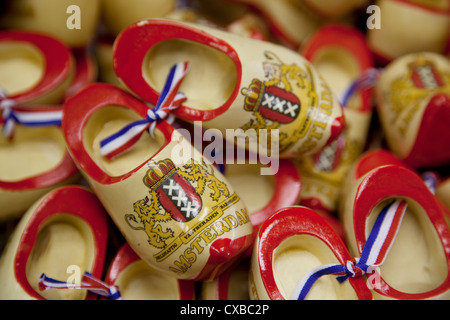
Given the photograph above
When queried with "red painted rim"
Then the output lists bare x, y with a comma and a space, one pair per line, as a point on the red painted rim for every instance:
299, 220
132, 45
397, 181
348, 39
73, 200
77, 111
63, 171
58, 62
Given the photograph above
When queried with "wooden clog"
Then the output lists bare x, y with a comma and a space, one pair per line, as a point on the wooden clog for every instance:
63, 235
264, 86
413, 103
409, 26
137, 280
340, 53
34, 68
178, 213
289, 244
32, 163
418, 263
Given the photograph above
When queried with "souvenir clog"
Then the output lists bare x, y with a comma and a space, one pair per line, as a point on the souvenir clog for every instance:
332, 9
176, 211
413, 104
62, 235
409, 26
32, 162
231, 285
34, 68
291, 22
417, 265
264, 90
340, 54
137, 280
119, 14
72, 22
289, 244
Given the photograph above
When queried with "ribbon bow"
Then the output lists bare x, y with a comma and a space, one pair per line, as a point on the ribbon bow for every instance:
373, 255
31, 116
169, 100
366, 80
88, 282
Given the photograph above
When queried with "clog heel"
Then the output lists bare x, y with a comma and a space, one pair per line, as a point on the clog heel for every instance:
33, 160
177, 212
63, 235
341, 55
397, 37
137, 280
34, 68
413, 102
253, 87
416, 255
292, 242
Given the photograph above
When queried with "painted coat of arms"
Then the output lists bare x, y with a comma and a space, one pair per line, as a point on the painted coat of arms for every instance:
174, 194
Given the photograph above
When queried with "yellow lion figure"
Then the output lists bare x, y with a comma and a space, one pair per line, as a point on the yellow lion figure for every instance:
199, 173
149, 216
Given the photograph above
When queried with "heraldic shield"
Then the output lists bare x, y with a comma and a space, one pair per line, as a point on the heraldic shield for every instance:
272, 102
175, 193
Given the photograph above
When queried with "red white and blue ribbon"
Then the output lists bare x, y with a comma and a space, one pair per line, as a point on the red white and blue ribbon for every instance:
88, 282
366, 80
37, 116
373, 255
170, 99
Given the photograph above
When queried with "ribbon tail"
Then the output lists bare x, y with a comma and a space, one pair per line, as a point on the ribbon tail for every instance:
88, 282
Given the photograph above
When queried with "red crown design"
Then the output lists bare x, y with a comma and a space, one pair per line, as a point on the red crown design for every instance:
253, 95
158, 172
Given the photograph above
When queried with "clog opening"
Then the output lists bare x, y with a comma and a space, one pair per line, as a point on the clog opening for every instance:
255, 190
138, 281
416, 262
64, 250
297, 256
211, 78
21, 67
33, 151
339, 70
109, 120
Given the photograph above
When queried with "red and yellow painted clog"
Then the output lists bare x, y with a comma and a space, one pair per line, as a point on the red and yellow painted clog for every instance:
413, 103
264, 89
34, 68
290, 243
417, 265
177, 212
340, 54
409, 26
63, 235
137, 280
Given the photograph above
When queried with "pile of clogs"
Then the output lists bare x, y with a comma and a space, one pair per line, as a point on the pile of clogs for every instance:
224, 149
